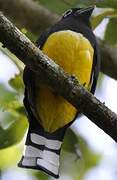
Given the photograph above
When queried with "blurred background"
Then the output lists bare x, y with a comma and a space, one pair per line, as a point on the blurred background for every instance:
88, 153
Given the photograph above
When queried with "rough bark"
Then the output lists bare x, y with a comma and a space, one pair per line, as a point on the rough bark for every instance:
64, 84
35, 18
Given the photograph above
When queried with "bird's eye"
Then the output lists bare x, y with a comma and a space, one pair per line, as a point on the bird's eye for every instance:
67, 13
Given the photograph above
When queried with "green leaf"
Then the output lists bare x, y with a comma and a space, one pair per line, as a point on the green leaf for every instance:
13, 123
13, 58
74, 165
6, 94
74, 143
17, 83
9, 157
10, 102
14, 133
111, 32
70, 141
6, 120
14, 107
89, 158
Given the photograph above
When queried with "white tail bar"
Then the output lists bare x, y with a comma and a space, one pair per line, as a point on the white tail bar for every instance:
40, 140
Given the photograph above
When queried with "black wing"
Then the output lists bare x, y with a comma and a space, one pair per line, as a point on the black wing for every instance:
29, 78
95, 68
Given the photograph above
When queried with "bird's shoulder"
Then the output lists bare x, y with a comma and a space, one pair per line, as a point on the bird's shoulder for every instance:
67, 24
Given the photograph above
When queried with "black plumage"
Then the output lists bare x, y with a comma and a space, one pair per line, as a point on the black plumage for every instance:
76, 19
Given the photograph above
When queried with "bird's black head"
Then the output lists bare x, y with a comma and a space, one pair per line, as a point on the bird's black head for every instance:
80, 13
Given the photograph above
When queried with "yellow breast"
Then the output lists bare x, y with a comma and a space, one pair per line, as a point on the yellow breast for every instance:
74, 53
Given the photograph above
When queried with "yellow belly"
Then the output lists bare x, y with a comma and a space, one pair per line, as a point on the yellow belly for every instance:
74, 53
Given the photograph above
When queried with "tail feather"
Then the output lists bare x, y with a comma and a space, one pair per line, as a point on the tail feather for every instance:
42, 151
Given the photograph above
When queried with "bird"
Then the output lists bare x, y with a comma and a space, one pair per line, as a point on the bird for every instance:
72, 44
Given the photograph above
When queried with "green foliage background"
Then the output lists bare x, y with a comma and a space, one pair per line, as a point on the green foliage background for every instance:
13, 121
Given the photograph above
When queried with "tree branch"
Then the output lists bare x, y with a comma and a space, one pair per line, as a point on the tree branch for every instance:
35, 18
28, 14
64, 84
109, 59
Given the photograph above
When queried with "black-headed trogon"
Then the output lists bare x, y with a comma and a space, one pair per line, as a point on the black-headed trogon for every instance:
71, 44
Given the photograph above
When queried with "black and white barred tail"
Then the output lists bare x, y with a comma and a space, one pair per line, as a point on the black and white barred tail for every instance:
42, 150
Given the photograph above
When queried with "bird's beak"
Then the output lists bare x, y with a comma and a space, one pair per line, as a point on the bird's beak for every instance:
88, 10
